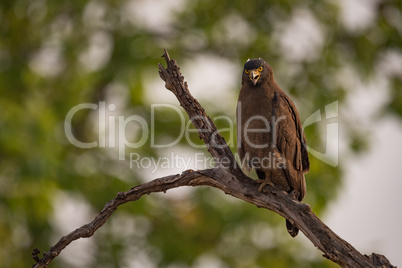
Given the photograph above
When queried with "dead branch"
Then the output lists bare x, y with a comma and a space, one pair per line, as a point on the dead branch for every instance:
228, 177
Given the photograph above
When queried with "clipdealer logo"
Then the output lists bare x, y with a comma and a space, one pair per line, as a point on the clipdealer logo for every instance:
112, 133
112, 136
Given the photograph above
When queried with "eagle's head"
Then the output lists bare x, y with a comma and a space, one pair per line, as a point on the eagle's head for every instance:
257, 71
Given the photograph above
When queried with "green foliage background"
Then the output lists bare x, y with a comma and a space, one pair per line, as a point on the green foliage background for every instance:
44, 73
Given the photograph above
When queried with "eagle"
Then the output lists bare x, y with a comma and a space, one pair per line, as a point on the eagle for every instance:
270, 135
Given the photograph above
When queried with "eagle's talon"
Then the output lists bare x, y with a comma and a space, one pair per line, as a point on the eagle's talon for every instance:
263, 184
294, 194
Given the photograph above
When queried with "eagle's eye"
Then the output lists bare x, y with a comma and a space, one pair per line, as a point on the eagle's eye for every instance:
260, 69
247, 71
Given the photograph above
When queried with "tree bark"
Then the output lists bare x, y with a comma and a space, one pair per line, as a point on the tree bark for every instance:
228, 177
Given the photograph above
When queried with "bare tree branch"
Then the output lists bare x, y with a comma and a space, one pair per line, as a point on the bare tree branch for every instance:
228, 177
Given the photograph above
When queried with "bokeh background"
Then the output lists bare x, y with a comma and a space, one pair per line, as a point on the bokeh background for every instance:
55, 55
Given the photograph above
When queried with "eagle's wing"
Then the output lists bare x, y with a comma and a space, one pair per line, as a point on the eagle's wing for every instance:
244, 163
291, 141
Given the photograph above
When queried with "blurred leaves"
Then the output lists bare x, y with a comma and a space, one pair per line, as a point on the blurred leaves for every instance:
56, 55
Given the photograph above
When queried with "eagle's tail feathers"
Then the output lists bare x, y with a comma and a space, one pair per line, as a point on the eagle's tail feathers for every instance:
292, 230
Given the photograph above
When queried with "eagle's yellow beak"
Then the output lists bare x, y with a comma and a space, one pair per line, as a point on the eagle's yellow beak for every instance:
254, 76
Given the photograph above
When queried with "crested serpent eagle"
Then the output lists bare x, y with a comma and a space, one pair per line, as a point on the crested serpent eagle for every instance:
269, 133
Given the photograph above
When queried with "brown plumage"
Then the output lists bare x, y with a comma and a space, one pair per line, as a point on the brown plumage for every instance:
269, 132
